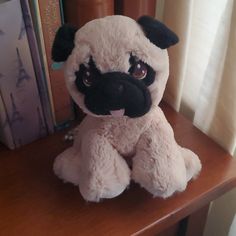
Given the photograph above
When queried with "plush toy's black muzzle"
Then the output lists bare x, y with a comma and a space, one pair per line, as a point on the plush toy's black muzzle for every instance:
115, 91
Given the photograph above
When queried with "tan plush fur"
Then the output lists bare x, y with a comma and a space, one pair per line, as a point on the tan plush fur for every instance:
97, 160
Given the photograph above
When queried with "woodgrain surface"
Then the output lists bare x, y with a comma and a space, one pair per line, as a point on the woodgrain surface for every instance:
35, 202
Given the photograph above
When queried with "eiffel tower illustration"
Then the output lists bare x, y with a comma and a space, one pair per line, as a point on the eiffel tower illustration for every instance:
4, 124
25, 24
41, 124
22, 74
18, 143
15, 116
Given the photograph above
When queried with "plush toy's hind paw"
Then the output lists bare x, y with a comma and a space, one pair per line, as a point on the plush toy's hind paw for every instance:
192, 163
66, 166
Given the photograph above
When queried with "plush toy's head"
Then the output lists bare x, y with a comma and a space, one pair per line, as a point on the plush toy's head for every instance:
115, 65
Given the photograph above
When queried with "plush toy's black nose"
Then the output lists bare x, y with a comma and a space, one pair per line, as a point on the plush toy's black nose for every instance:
113, 90
112, 85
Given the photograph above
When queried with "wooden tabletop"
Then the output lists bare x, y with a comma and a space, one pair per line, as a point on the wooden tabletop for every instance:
33, 201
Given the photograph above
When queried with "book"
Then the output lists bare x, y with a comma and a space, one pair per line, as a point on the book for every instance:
38, 68
48, 20
79, 12
22, 118
135, 8
5, 129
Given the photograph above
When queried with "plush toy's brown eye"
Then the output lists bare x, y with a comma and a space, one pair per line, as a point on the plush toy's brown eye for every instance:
87, 78
139, 70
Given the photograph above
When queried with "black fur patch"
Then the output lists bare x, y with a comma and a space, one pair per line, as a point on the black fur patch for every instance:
115, 91
63, 43
157, 32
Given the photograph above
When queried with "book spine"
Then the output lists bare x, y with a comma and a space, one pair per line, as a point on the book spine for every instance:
79, 12
49, 14
19, 91
42, 51
39, 72
135, 8
62, 12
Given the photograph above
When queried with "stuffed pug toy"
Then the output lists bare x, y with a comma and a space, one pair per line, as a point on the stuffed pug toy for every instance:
116, 70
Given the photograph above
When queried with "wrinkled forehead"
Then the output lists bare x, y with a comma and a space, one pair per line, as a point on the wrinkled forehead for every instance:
110, 41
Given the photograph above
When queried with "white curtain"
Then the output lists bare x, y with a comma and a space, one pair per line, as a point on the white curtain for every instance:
202, 83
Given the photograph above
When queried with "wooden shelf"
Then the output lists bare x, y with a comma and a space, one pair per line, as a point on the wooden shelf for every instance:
33, 201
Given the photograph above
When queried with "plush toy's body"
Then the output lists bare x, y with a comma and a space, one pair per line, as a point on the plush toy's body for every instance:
116, 72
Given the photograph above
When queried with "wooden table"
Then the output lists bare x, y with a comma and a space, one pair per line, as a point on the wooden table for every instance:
35, 202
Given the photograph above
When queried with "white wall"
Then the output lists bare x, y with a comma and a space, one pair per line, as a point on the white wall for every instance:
222, 215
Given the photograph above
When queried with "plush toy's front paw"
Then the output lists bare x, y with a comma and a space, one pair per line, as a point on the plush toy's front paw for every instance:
106, 181
103, 172
94, 193
159, 183
162, 176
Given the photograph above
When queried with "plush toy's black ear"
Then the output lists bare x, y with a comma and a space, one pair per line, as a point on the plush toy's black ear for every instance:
157, 32
63, 43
